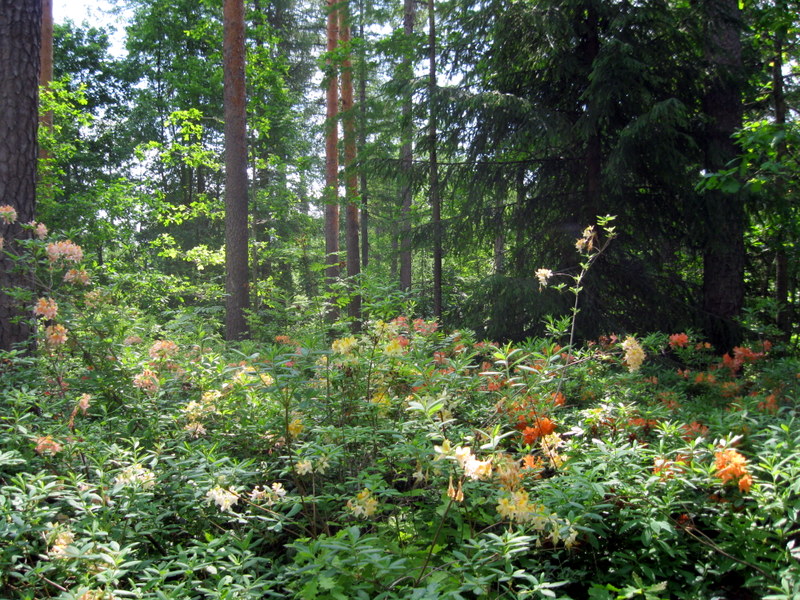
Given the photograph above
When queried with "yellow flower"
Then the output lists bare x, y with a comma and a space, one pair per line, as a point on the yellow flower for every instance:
364, 504
634, 355
394, 348
344, 345
295, 427
303, 467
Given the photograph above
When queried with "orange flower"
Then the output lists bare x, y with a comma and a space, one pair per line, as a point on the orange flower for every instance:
558, 398
47, 445
678, 340
541, 428
732, 466
55, 335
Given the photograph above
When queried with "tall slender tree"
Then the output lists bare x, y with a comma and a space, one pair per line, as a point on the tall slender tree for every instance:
350, 171
406, 148
724, 250
331, 193
20, 38
237, 285
436, 204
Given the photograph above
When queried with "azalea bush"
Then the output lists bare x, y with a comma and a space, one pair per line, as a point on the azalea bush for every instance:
145, 458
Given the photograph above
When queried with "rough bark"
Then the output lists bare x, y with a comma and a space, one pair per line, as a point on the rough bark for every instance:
724, 252
236, 206
331, 193
20, 38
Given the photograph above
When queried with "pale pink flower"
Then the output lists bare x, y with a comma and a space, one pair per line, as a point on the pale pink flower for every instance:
147, 381
47, 445
8, 214
78, 276
55, 335
46, 307
39, 229
64, 250
163, 349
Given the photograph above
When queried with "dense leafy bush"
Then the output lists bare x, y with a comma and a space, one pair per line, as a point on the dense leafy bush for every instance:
144, 458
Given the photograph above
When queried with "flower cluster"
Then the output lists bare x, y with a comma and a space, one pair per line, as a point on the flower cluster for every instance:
274, 494
473, 468
517, 507
344, 345
678, 340
146, 381
8, 214
55, 335
364, 504
162, 349
47, 445
543, 275
46, 307
64, 251
223, 498
732, 467
136, 475
77, 276
634, 354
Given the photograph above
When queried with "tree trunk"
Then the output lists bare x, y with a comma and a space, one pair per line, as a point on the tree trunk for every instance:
236, 209
20, 37
724, 253
406, 150
362, 140
331, 193
350, 172
436, 207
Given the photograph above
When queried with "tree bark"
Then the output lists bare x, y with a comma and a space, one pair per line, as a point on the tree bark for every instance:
406, 150
350, 172
237, 284
362, 140
20, 38
724, 252
436, 205
331, 193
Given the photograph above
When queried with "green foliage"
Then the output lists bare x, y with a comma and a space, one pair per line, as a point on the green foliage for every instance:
144, 458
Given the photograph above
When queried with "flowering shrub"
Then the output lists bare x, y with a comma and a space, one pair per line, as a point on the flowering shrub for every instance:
147, 459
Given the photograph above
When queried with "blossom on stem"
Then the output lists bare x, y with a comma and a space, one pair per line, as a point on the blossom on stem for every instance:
8, 214
223, 498
634, 354
46, 307
55, 335
543, 275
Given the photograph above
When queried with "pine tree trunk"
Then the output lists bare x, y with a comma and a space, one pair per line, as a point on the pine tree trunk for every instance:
436, 206
20, 38
406, 150
724, 252
236, 206
350, 173
362, 142
332, 162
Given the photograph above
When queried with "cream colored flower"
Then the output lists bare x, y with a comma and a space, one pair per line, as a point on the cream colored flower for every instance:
223, 498
634, 354
543, 275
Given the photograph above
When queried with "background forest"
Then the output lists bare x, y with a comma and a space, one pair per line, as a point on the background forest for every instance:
430, 299
675, 117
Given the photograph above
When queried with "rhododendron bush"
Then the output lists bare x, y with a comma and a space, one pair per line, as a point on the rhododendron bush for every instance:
145, 458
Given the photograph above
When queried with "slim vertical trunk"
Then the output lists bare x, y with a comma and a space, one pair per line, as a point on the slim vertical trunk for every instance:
20, 36
236, 235
723, 254
362, 140
436, 208
406, 150
331, 193
350, 173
